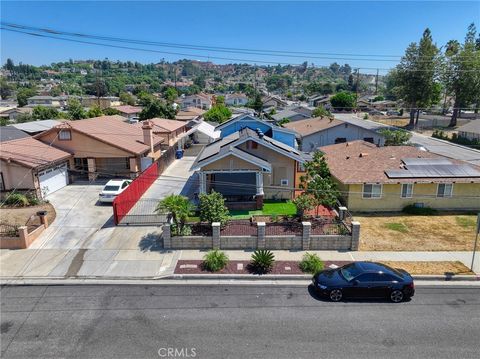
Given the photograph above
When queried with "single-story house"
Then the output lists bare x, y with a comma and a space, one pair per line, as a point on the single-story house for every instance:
128, 111
289, 115
278, 133
200, 100
36, 127
103, 102
47, 101
470, 131
247, 167
170, 130
322, 131
28, 164
389, 178
189, 114
14, 113
273, 101
106, 146
236, 99
303, 109
8, 133
319, 100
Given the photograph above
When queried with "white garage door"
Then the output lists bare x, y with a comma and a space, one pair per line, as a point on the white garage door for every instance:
52, 179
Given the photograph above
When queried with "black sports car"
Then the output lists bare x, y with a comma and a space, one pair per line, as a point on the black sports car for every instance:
364, 280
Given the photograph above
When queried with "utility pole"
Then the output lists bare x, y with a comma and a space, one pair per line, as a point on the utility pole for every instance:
476, 240
376, 83
97, 83
356, 88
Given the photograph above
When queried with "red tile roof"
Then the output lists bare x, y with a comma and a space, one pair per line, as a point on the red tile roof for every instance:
31, 153
166, 125
128, 109
111, 130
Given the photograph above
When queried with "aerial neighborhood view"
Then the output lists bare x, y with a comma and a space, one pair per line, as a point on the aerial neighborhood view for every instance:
235, 179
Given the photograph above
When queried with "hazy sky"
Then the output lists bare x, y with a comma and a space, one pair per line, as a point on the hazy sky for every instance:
357, 27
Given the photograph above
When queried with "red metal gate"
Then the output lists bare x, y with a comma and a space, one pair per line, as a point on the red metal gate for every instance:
124, 202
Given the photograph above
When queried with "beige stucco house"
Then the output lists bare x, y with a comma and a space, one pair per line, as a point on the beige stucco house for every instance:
106, 146
248, 167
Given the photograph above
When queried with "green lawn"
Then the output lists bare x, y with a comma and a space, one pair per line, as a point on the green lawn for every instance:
278, 208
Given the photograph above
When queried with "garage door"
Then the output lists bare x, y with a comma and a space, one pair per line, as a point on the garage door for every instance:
52, 179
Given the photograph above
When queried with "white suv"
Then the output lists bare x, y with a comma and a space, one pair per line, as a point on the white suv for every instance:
112, 189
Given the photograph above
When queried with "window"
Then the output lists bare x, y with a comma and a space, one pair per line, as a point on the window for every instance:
368, 139
340, 140
444, 190
284, 182
65, 135
300, 167
407, 190
369, 277
2, 186
372, 191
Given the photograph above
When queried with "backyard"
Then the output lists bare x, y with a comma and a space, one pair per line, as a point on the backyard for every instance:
391, 232
270, 208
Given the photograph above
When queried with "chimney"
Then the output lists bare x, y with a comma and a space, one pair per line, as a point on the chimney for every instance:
148, 134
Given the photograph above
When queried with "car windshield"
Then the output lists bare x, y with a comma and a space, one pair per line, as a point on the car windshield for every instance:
350, 271
111, 188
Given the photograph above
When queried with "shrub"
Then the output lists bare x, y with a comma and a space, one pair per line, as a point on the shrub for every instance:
184, 230
262, 260
212, 208
33, 200
215, 260
311, 263
365, 117
16, 200
422, 211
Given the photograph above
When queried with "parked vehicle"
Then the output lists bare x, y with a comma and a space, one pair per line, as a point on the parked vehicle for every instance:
364, 280
112, 189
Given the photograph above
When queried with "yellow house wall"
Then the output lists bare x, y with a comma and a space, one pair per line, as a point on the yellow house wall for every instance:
422, 193
230, 163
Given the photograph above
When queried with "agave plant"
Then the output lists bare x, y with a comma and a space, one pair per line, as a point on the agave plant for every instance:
262, 260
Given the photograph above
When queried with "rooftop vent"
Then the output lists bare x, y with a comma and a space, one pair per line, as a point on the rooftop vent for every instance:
363, 154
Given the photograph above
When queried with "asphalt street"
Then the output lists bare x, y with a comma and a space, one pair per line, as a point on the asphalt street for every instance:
148, 321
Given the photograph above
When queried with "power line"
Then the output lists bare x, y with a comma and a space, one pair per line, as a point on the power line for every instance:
208, 56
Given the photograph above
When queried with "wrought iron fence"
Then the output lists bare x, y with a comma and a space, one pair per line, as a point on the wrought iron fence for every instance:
239, 228
201, 229
283, 229
330, 228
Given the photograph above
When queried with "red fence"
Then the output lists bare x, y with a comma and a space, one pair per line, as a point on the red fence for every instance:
124, 202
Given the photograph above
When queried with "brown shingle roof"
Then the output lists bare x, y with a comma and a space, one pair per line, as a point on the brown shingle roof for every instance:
363, 162
31, 153
128, 109
111, 130
312, 125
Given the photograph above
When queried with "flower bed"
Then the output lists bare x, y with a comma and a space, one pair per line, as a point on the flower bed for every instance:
239, 228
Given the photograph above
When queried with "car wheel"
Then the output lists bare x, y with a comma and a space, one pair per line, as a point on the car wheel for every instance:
336, 295
396, 296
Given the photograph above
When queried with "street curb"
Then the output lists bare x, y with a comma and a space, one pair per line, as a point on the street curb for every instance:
309, 277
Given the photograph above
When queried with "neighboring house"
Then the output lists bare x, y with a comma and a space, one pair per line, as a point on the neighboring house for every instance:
367, 103
106, 146
289, 115
170, 130
129, 112
247, 167
470, 131
389, 178
199, 100
14, 113
103, 102
273, 101
202, 132
323, 131
303, 109
319, 100
278, 133
236, 99
8, 133
189, 114
28, 164
35, 127
47, 101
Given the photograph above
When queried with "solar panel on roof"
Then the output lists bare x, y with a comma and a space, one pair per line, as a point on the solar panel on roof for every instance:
426, 161
435, 171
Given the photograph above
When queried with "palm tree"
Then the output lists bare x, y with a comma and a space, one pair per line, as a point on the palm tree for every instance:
179, 207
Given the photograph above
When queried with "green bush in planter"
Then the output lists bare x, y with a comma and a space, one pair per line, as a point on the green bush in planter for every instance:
262, 260
311, 263
16, 200
215, 260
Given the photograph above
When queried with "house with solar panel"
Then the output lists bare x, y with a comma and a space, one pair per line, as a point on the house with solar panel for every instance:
252, 161
389, 178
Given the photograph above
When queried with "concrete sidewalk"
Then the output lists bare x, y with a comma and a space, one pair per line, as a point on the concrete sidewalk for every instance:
146, 259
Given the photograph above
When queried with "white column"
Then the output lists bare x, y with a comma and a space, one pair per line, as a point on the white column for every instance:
203, 182
259, 183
